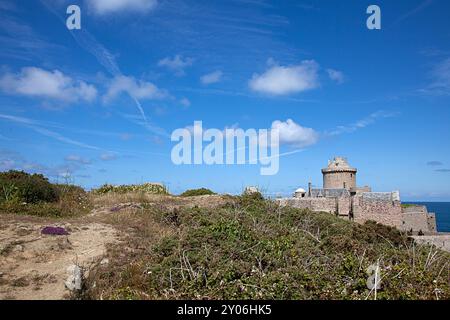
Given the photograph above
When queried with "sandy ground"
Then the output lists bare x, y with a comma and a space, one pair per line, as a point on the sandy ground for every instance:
34, 266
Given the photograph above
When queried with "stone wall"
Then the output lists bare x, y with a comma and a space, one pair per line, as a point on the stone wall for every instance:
374, 207
340, 206
416, 221
382, 211
432, 225
417, 218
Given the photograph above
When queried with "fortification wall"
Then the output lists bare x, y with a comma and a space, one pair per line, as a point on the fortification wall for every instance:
339, 206
432, 225
417, 218
416, 221
377, 209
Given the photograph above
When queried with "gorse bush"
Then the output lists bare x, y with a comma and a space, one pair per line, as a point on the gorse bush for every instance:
152, 188
197, 192
19, 186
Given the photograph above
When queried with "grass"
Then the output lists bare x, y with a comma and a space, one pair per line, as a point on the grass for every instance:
409, 205
250, 248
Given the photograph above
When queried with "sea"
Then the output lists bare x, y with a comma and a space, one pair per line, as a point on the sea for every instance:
442, 210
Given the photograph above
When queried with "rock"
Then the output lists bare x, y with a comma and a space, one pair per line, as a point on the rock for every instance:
105, 261
75, 278
251, 190
18, 248
64, 243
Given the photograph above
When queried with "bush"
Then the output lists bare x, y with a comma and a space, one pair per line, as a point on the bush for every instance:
32, 194
197, 192
19, 186
153, 188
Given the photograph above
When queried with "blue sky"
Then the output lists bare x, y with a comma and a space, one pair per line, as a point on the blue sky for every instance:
100, 103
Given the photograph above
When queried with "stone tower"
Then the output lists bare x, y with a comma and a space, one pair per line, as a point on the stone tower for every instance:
339, 175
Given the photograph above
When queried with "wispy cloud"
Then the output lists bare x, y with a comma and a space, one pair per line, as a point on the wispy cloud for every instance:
362, 123
77, 159
335, 75
185, 102
434, 163
36, 126
423, 5
134, 88
18, 39
10, 160
86, 41
177, 64
108, 156
148, 125
212, 77
440, 79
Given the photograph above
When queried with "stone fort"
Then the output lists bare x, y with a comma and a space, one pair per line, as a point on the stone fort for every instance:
340, 195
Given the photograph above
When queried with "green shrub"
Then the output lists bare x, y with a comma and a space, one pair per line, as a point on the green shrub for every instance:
153, 188
32, 194
19, 186
197, 192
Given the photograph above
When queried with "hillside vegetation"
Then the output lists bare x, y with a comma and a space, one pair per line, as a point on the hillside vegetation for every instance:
204, 246
250, 248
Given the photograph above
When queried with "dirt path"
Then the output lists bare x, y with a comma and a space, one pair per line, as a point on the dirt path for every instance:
34, 266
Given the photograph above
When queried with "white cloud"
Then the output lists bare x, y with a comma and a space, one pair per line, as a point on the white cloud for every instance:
336, 76
36, 82
212, 77
135, 88
176, 64
282, 80
294, 134
102, 7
